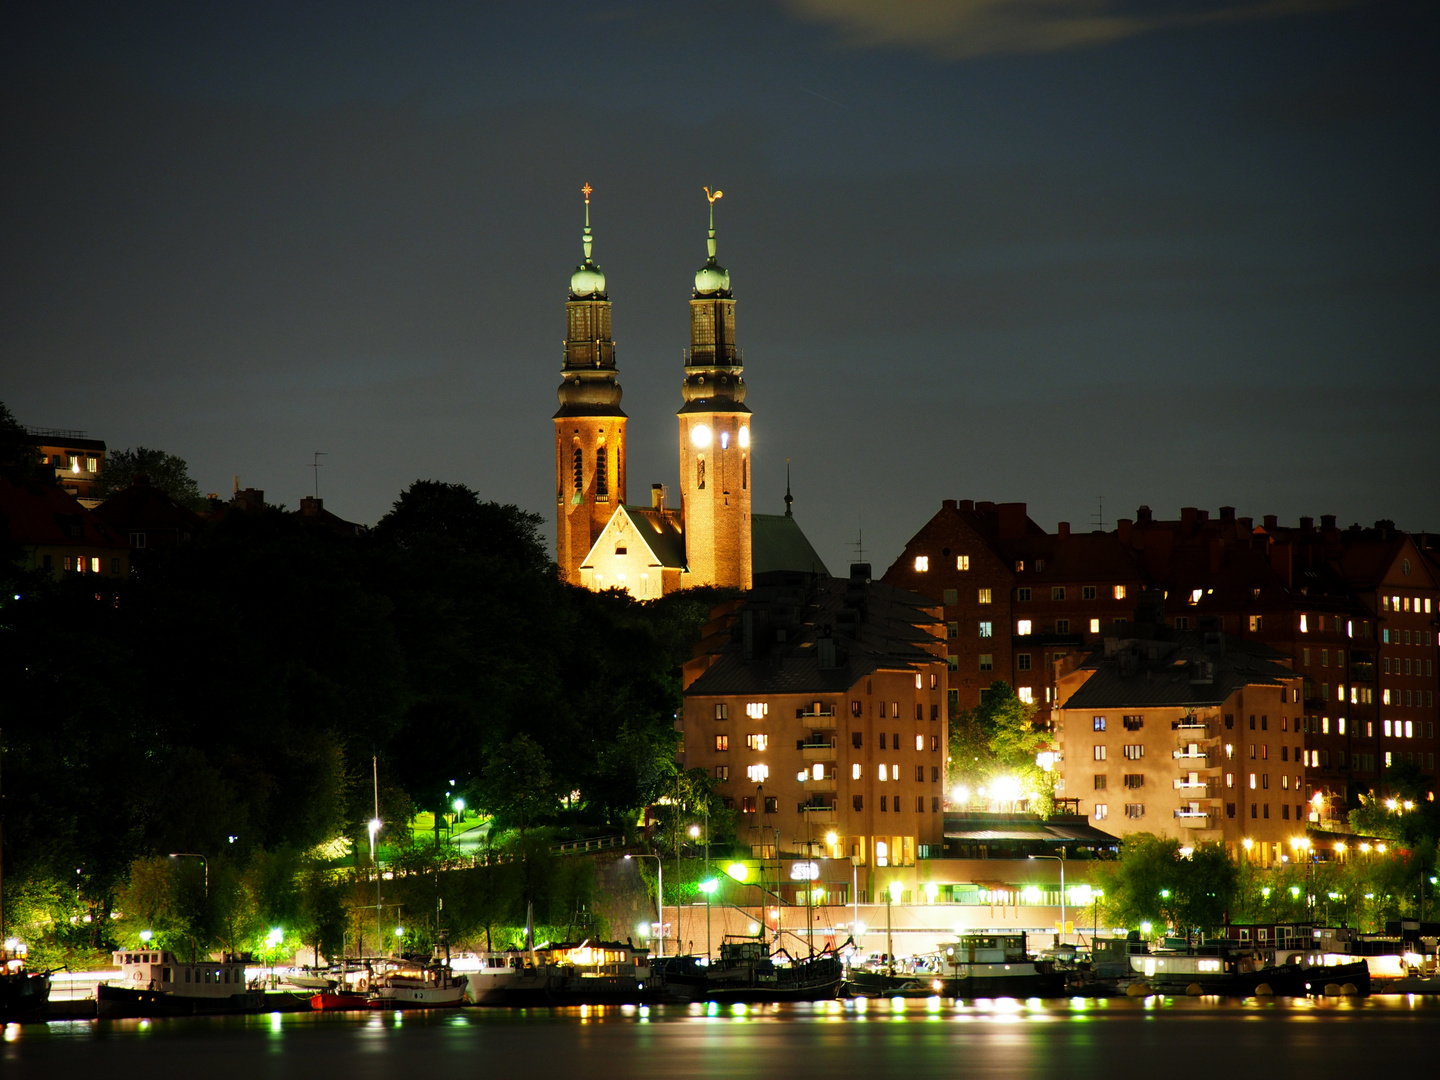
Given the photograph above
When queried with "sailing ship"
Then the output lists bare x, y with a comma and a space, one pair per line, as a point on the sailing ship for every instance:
747, 972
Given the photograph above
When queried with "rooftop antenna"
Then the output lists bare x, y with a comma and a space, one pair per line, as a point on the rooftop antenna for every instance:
317, 465
859, 544
788, 498
1098, 517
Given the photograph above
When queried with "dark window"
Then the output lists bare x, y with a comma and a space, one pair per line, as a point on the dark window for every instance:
919, 774
772, 804
857, 802
856, 738
722, 710
579, 469
935, 774
855, 708
722, 772
919, 711
919, 804
1229, 720
1230, 809
935, 804
1022, 594
885, 803
882, 740
602, 474
1264, 723
1100, 781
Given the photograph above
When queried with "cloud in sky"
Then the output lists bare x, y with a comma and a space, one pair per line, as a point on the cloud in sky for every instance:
960, 29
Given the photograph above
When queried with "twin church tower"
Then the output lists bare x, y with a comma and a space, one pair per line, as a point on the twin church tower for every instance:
652, 550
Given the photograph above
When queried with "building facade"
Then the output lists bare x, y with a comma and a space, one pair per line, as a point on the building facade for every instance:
819, 707
1194, 735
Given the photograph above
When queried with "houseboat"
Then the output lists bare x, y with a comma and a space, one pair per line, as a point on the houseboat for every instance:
588, 973
747, 971
152, 982
996, 965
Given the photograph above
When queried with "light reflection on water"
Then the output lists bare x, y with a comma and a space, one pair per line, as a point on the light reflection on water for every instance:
839, 1039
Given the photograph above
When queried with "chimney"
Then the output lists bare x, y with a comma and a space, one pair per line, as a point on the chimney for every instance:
1202, 516
985, 507
1271, 522
1142, 515
1012, 521
1282, 561
1187, 517
1307, 524
1122, 528
1064, 530
1246, 524
1327, 522
966, 505
947, 504
311, 506
1227, 513
657, 496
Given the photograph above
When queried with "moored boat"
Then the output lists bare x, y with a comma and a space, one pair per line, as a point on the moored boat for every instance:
747, 972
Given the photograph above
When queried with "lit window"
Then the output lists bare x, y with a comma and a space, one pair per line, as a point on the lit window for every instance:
756, 741
1257, 622
1026, 694
987, 629
91, 464
1023, 627
722, 711
987, 663
1304, 625
922, 563
1409, 729
1094, 626
855, 771
919, 742
757, 710
1195, 595
757, 774
1119, 592
1101, 811
722, 742
962, 562
1099, 723
983, 596
884, 775
1252, 781
722, 772
94, 564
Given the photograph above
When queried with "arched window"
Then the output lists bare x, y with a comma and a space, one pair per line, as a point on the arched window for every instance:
700, 473
744, 471
602, 472
579, 470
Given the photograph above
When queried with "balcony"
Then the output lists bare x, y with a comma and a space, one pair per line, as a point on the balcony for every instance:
818, 812
817, 749
1207, 790
816, 721
1194, 819
1193, 758
823, 784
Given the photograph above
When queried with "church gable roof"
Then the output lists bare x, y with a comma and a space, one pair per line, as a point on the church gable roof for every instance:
778, 543
658, 531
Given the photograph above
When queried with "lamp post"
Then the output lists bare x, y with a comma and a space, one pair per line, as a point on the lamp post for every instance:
203, 862
1061, 860
659, 894
893, 892
708, 887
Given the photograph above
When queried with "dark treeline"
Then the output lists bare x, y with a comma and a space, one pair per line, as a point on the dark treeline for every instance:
228, 698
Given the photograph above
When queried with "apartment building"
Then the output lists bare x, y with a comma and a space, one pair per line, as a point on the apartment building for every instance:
819, 706
1195, 735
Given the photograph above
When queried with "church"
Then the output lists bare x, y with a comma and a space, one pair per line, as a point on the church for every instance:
711, 538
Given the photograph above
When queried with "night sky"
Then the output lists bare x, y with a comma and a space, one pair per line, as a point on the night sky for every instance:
1172, 252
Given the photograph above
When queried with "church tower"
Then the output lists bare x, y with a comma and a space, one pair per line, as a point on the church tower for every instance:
715, 434
589, 426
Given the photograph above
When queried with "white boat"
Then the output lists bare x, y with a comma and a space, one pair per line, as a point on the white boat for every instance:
418, 988
153, 982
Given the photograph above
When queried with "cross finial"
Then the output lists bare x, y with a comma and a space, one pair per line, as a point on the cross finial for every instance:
586, 190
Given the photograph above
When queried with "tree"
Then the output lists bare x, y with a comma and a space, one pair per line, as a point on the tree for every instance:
165, 472
517, 787
997, 739
429, 512
19, 452
1155, 881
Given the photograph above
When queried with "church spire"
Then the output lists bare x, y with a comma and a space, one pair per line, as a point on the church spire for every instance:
788, 499
712, 279
588, 281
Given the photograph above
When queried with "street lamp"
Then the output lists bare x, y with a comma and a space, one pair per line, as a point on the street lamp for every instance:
708, 887
659, 894
1061, 860
204, 862
893, 892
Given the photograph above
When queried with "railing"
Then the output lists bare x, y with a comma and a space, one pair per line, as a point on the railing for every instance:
813, 743
594, 844
56, 432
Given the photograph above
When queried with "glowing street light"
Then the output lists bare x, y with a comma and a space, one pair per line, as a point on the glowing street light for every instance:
739, 871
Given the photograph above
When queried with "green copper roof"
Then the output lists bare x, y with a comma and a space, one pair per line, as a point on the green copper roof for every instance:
777, 543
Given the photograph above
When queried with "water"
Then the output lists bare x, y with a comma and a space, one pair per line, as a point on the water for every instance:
1173, 1038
